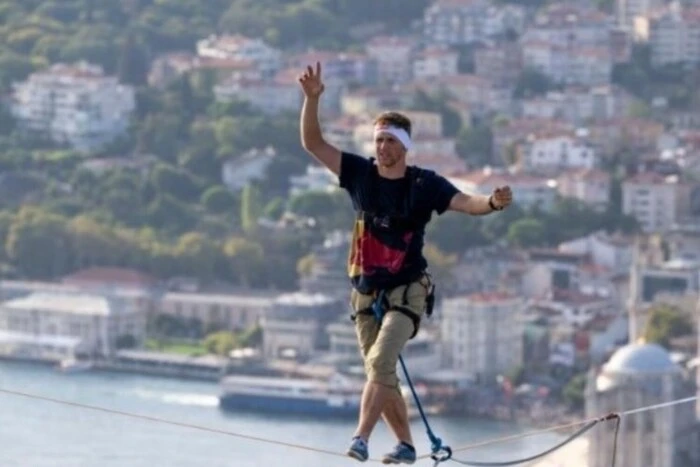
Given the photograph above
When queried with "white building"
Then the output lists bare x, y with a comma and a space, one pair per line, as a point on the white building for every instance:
629, 10
393, 57
653, 199
611, 252
556, 151
435, 61
95, 321
316, 178
236, 173
243, 49
74, 104
590, 186
483, 333
674, 36
570, 25
587, 65
579, 104
268, 96
464, 22
226, 311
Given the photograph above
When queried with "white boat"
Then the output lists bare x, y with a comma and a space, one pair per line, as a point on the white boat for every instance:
336, 396
74, 365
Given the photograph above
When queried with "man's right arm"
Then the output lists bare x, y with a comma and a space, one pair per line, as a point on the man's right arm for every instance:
312, 138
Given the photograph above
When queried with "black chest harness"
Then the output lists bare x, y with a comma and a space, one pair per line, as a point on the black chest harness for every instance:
404, 222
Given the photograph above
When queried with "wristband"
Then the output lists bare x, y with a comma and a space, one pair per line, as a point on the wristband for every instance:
493, 206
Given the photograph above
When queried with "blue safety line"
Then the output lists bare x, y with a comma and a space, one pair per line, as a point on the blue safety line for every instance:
440, 453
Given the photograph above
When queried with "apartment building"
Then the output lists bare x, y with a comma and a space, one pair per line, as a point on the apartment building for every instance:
74, 104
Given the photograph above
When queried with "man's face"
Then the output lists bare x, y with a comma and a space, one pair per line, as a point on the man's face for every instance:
389, 150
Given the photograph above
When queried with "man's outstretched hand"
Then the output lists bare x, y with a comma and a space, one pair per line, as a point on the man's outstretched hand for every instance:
311, 82
502, 197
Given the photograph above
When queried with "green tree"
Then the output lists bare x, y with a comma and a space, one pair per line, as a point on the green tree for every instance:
39, 244
455, 233
250, 208
666, 322
220, 343
532, 83
198, 255
528, 232
574, 391
133, 62
475, 145
217, 199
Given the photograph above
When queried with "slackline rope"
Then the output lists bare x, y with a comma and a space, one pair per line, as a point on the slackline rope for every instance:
612, 416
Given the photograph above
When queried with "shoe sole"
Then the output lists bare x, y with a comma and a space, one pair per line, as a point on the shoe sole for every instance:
356, 456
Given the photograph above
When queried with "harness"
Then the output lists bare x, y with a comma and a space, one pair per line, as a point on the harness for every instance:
403, 222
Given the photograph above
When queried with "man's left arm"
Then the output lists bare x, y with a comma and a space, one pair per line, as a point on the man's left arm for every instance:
479, 205
449, 198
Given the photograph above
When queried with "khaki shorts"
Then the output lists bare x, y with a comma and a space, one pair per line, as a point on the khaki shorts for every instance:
381, 346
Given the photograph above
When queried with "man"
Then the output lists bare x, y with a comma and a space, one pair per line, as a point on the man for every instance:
394, 202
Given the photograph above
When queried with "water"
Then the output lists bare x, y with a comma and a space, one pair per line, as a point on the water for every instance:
37, 433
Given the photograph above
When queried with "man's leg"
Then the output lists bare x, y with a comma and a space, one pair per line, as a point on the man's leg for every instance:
395, 415
382, 390
367, 329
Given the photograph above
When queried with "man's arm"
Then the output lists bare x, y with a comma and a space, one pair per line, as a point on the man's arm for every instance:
476, 205
312, 138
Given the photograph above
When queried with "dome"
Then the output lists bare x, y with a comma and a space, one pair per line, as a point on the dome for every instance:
640, 358
636, 360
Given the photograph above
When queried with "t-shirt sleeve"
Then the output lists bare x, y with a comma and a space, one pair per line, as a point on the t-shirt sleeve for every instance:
443, 191
352, 168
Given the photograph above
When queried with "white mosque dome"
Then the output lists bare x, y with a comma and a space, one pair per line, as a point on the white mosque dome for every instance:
636, 360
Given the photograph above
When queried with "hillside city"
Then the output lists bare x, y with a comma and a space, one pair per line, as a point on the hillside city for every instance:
159, 214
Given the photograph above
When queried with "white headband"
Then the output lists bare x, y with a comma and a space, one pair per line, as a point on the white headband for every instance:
398, 133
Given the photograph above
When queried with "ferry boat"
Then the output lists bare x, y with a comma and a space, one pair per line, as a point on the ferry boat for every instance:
336, 396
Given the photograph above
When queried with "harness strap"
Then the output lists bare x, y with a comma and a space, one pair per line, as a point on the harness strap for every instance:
380, 306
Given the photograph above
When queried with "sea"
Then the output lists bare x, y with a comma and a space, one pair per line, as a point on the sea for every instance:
41, 433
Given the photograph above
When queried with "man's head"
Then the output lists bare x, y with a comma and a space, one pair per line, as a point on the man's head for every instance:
392, 138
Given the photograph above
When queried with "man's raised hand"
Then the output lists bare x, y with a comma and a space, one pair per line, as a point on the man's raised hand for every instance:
311, 82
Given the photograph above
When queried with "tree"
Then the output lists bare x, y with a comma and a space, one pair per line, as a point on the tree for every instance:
250, 208
475, 145
315, 204
198, 254
220, 343
246, 259
133, 63
451, 120
666, 322
528, 232
169, 180
532, 83
218, 200
455, 233
39, 245
574, 391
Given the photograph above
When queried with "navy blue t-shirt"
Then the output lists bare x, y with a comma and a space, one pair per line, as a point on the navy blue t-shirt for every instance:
383, 257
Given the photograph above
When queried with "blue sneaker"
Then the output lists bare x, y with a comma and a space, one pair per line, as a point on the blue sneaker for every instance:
402, 454
358, 449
